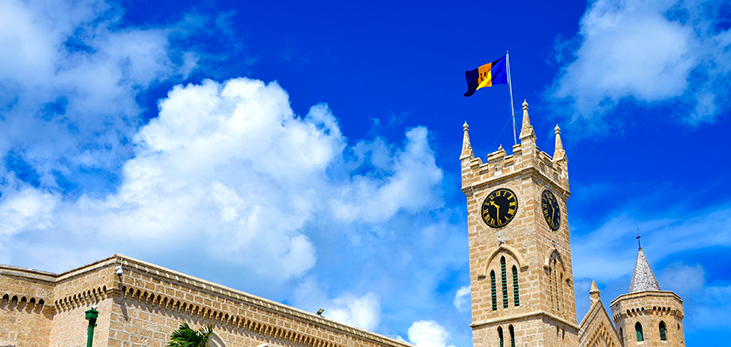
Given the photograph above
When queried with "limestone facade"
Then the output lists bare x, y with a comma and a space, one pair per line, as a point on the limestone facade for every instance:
546, 313
146, 303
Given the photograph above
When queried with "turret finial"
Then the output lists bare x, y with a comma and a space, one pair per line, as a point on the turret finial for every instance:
594, 292
466, 145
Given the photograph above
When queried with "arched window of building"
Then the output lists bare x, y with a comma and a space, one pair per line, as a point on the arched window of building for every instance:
516, 290
550, 284
493, 290
638, 329
500, 336
215, 341
555, 283
663, 331
512, 336
560, 292
504, 282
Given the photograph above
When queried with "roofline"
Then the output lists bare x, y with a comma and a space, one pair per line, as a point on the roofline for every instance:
201, 285
664, 293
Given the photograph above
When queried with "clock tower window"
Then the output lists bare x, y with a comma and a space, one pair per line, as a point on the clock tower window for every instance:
512, 335
493, 290
504, 282
516, 290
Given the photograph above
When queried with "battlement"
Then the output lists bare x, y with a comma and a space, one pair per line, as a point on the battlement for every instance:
526, 156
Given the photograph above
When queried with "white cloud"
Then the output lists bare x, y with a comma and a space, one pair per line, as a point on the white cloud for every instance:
230, 171
605, 253
462, 298
360, 311
428, 333
682, 279
70, 73
649, 51
25, 208
363, 312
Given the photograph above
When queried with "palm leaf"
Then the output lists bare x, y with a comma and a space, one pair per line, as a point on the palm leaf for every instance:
185, 336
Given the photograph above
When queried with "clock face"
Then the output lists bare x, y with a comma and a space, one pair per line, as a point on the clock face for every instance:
551, 210
499, 208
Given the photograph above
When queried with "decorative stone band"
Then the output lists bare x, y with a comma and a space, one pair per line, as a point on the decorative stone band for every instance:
22, 303
526, 315
474, 183
655, 302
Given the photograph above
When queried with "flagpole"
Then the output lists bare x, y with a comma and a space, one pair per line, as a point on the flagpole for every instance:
510, 86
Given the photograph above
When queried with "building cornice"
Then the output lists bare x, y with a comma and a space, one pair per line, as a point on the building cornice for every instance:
525, 315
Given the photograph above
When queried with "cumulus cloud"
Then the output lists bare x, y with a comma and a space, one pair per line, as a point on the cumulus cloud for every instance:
647, 51
363, 312
70, 75
428, 333
462, 298
231, 168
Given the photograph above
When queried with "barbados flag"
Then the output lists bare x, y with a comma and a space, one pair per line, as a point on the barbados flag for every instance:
486, 75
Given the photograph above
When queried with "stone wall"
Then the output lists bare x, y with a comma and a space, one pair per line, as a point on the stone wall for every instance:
649, 308
146, 303
25, 318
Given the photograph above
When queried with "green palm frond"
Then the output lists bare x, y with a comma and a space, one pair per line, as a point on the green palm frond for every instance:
185, 336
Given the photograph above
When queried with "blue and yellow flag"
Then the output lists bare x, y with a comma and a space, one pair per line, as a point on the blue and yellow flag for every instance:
486, 75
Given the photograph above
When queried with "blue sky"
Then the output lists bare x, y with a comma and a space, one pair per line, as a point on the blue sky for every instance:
307, 152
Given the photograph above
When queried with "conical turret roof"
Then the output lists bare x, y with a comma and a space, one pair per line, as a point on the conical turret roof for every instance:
643, 279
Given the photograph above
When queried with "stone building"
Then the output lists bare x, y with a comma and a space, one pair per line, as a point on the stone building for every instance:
520, 272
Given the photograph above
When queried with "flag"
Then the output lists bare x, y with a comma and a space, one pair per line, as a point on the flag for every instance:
486, 75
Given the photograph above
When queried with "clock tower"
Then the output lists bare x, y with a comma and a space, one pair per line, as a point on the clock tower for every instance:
520, 253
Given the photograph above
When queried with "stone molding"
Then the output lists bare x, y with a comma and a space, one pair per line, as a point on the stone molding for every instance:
526, 315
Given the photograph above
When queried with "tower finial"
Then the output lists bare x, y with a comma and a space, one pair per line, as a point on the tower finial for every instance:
639, 245
527, 128
558, 153
466, 145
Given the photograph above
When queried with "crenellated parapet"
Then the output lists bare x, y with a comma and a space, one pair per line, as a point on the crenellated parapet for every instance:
525, 156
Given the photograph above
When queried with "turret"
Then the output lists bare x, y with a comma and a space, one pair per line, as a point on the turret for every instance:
648, 316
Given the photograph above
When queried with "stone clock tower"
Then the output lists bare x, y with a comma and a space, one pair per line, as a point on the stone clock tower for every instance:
520, 253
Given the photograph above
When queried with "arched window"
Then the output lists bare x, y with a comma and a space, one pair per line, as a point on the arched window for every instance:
516, 290
512, 336
550, 284
663, 331
493, 290
504, 282
500, 336
560, 292
638, 329
555, 283
215, 341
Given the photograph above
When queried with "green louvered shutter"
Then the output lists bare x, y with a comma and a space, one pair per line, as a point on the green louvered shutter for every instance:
504, 279
493, 290
516, 290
